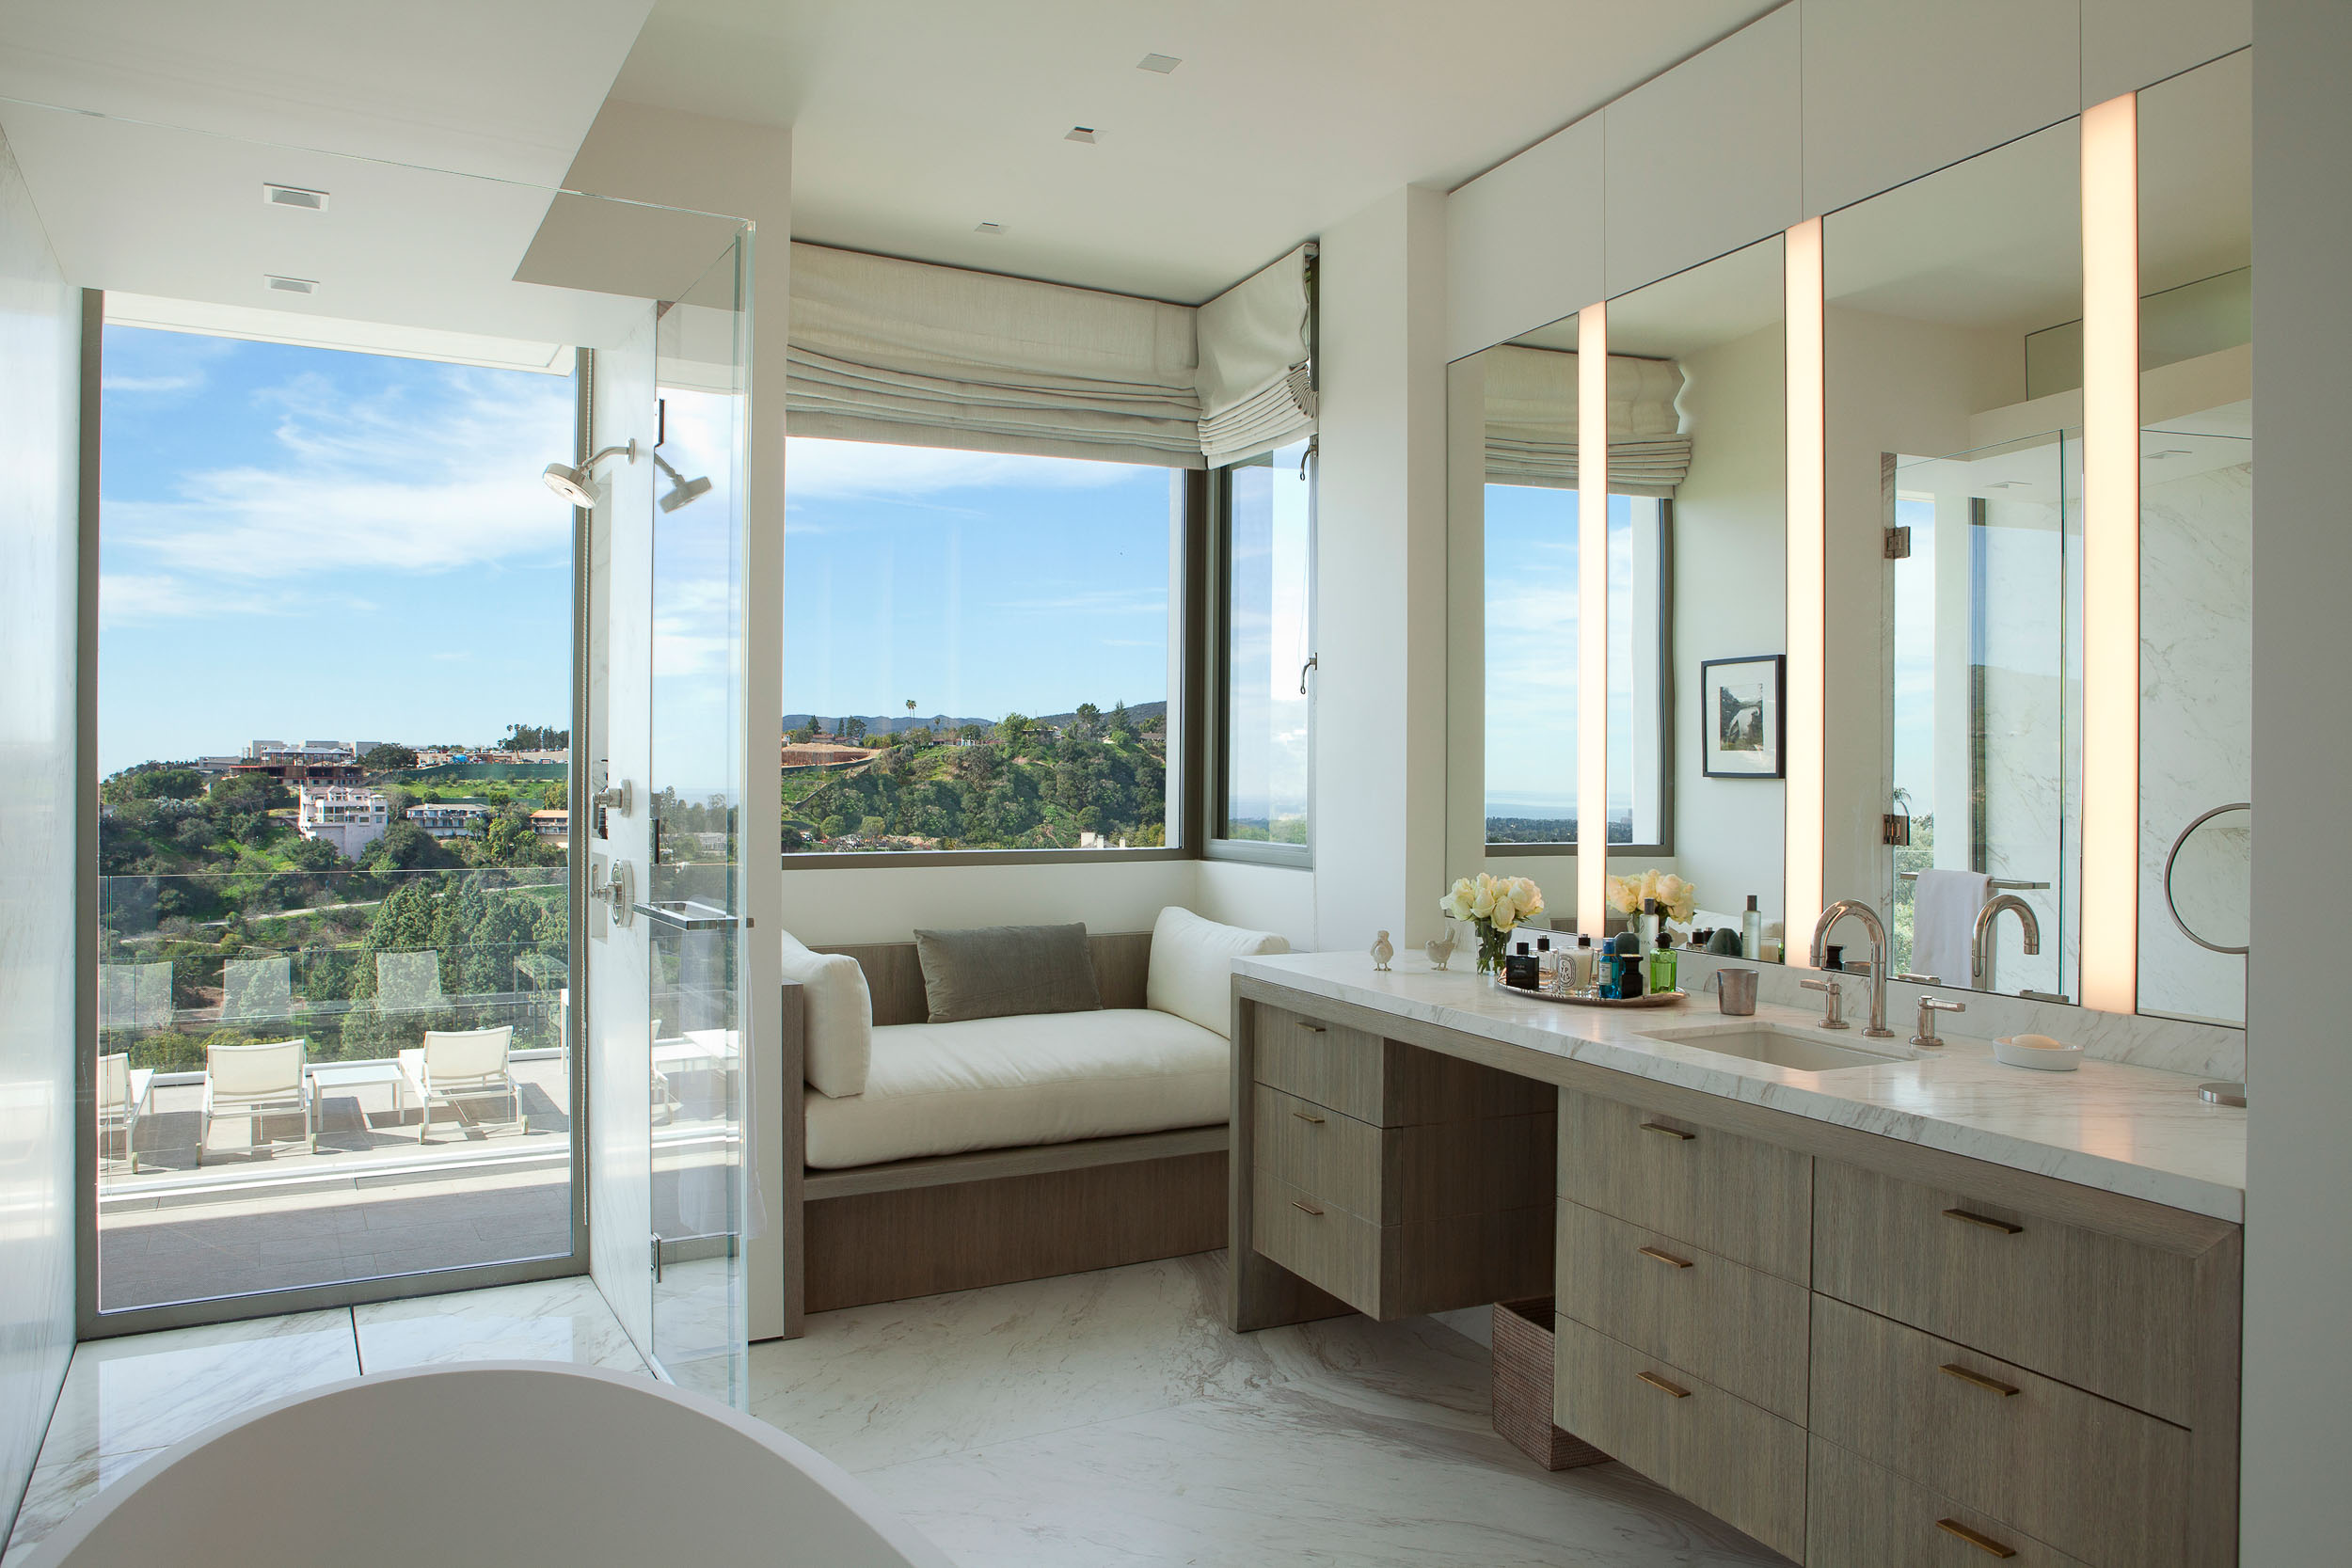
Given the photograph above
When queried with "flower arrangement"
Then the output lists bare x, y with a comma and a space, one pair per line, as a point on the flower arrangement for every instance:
1675, 898
1494, 906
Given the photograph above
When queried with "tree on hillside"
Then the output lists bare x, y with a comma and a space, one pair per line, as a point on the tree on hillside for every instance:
803, 735
1013, 730
1086, 722
386, 758
534, 738
852, 729
156, 783
1121, 721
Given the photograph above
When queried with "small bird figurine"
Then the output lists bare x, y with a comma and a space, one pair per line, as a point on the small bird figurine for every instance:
1381, 951
1439, 948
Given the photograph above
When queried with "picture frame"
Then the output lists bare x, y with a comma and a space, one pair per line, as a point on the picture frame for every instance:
1743, 721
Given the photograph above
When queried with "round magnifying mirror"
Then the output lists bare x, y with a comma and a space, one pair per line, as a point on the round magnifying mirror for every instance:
2207, 878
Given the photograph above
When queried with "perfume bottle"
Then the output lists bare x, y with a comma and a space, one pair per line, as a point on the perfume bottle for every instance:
1665, 965
1580, 973
1519, 969
1547, 966
1628, 965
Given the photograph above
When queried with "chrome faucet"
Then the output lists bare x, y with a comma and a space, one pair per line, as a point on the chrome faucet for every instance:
1981, 961
1928, 1007
1832, 1000
1877, 929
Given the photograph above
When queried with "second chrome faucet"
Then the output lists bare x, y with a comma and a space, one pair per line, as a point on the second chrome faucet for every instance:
1877, 1028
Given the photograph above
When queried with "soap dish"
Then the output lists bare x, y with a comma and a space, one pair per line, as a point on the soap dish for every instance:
2053, 1057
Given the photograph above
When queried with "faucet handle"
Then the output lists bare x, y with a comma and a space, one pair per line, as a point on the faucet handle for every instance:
1832, 1003
1928, 1007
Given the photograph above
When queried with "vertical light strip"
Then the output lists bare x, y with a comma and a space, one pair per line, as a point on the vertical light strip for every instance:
1807, 697
2111, 812
1592, 619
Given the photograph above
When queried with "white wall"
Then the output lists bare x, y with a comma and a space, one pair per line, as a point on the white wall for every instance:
1729, 601
1263, 897
834, 905
41, 339
1380, 591
2298, 1219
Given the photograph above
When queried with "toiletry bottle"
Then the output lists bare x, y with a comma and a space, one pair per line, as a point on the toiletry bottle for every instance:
1751, 931
1519, 969
1547, 965
1581, 976
1665, 967
1628, 965
1605, 970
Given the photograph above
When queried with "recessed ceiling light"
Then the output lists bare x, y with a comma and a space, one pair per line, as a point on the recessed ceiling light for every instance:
988, 228
1080, 132
291, 285
1161, 63
293, 196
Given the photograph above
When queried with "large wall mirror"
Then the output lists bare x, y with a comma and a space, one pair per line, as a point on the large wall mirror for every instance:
1953, 361
2197, 537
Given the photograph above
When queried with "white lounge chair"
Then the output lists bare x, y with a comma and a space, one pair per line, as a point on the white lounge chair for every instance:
125, 1094
457, 1064
255, 1081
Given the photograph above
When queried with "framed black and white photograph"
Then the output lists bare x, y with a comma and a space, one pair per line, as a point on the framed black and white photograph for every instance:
1739, 717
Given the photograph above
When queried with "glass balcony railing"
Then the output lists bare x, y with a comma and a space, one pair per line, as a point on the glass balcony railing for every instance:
358, 963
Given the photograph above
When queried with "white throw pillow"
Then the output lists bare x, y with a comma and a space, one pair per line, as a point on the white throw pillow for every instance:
836, 1020
1192, 966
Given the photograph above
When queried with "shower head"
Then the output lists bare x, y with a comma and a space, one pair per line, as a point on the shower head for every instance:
682, 490
576, 485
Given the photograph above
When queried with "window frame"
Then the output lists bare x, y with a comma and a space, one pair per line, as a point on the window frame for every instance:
1188, 599
1217, 779
1666, 751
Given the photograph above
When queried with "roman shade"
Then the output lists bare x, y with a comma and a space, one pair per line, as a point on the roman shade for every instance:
885, 350
1530, 421
1256, 373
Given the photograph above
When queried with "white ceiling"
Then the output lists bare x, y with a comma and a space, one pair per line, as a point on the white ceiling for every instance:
913, 121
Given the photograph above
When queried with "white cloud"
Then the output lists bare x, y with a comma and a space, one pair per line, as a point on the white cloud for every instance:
857, 470
151, 383
1093, 601
392, 482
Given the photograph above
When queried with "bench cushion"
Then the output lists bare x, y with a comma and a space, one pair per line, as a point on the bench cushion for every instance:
1192, 966
836, 1020
1009, 1082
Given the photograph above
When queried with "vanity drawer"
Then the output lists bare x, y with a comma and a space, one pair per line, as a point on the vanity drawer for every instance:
1741, 1464
2116, 1317
2083, 1474
1384, 1082
1739, 1328
1735, 1197
1858, 1515
1400, 1271
1396, 1175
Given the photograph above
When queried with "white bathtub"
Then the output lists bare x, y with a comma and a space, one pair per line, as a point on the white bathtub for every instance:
517, 1463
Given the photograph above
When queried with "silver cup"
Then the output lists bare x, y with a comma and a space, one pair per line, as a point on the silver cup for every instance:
1735, 991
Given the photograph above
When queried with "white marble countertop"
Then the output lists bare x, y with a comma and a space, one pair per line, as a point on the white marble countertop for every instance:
2129, 1130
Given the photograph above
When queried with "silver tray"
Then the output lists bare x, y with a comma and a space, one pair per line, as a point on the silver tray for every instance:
1648, 998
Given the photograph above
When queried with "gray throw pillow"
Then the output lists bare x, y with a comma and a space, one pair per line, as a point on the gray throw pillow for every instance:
1003, 971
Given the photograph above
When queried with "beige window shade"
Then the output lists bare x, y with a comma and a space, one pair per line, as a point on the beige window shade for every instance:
1256, 374
885, 350
1530, 421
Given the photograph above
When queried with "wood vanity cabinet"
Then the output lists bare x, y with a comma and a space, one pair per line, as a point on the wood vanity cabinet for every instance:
1955, 1360
1864, 1352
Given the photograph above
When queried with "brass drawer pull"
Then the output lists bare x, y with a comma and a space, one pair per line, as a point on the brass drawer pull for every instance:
1675, 1132
1306, 1208
1310, 1028
1979, 1380
1982, 1543
1305, 1116
1987, 1221
1663, 1256
1660, 1383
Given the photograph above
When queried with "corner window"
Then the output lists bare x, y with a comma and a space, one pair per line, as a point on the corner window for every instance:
977, 651
1266, 585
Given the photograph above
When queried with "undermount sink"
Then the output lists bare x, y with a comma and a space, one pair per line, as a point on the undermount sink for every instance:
1765, 1042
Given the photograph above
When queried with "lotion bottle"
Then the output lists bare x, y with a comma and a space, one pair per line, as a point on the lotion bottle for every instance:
1751, 931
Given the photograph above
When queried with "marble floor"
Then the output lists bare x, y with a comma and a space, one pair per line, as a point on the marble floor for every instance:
1101, 1419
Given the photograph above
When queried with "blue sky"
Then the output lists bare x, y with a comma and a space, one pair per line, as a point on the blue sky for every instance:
973, 582
302, 542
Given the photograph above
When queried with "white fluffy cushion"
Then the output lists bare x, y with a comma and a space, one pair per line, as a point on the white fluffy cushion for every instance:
1010, 1082
837, 1018
1192, 966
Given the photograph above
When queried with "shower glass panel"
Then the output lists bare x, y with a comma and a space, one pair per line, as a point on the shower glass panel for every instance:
1987, 685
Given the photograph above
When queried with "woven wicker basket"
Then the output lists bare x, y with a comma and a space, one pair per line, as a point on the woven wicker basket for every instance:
1522, 1362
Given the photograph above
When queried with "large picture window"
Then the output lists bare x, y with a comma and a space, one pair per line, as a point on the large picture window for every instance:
1530, 669
977, 650
1266, 548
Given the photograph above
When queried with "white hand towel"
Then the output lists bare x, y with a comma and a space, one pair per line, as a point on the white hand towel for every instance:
1944, 922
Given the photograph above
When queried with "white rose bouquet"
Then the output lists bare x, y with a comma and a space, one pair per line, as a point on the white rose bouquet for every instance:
1495, 907
1675, 898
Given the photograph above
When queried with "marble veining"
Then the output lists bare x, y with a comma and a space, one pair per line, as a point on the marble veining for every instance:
2128, 1130
551, 1320
57, 1489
